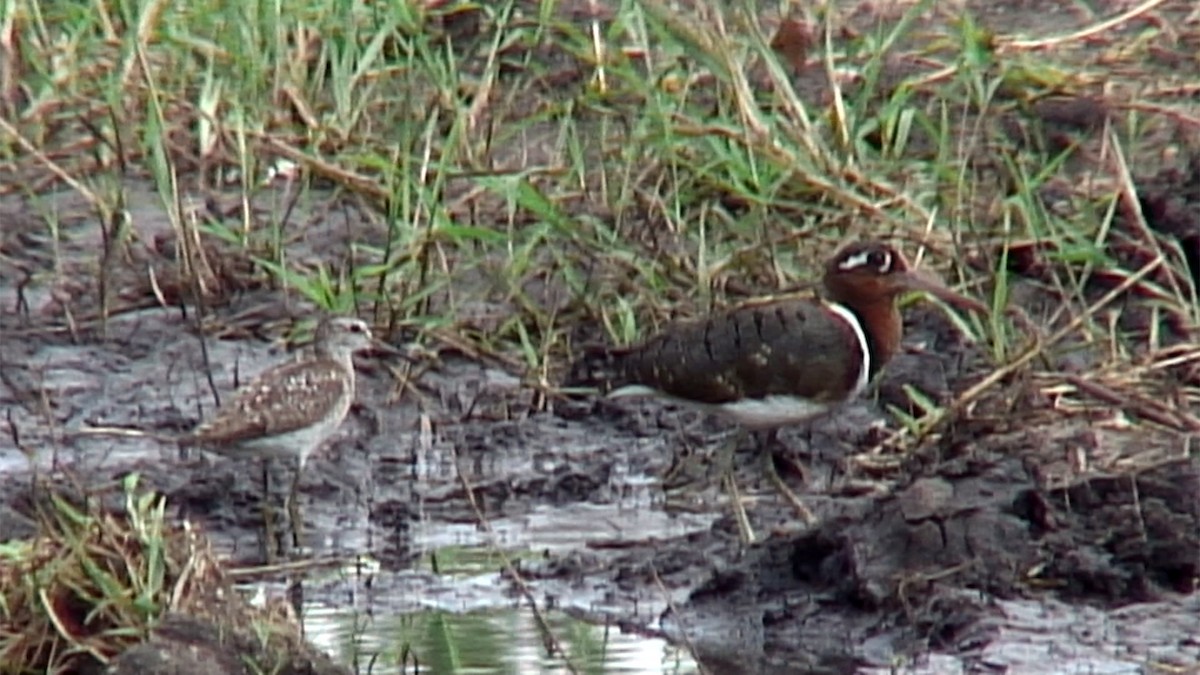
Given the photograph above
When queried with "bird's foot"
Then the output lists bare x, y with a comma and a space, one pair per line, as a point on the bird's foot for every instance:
685, 469
700, 470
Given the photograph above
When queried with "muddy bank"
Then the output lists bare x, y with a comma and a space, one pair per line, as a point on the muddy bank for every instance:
991, 548
978, 564
1022, 534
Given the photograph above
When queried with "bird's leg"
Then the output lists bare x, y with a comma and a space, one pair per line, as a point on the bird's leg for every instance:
293, 509
745, 530
725, 462
267, 513
766, 441
675, 475
791, 464
687, 465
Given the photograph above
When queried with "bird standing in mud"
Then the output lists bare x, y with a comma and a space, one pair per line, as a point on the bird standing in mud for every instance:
775, 363
291, 409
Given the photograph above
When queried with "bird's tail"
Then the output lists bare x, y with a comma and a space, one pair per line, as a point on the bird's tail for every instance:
598, 367
128, 432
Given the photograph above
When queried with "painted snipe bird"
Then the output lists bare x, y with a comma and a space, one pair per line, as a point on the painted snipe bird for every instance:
774, 363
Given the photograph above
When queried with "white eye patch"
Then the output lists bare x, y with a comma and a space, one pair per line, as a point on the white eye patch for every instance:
881, 261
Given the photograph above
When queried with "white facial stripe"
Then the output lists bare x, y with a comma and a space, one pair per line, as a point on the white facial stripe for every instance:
864, 258
857, 260
864, 371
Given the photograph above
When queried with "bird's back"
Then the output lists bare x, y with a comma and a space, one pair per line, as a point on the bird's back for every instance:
285, 399
797, 348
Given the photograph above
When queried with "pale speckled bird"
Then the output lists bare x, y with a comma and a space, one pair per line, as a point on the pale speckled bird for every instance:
291, 409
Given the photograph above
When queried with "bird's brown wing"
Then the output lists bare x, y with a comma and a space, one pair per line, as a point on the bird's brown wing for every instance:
282, 399
790, 347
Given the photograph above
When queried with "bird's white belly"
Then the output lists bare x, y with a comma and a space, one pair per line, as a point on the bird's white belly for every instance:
773, 411
299, 443
752, 413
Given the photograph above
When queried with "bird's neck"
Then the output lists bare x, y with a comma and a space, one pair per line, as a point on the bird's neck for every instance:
343, 357
882, 326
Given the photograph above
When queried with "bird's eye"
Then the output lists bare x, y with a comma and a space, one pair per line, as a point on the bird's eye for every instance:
356, 328
880, 260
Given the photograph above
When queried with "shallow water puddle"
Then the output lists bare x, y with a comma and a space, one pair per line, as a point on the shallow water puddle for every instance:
492, 641
453, 612
451, 606
554, 529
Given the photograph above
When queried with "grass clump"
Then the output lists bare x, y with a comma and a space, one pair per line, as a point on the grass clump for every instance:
94, 581
89, 583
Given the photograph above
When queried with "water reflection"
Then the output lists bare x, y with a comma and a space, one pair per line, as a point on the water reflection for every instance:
451, 611
494, 641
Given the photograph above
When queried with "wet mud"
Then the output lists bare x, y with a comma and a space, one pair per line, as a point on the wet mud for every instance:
992, 547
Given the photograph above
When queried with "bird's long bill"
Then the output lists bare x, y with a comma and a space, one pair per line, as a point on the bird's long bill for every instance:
381, 348
918, 281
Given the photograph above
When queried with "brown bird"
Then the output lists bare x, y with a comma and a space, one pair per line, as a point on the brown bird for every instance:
779, 362
287, 411
291, 409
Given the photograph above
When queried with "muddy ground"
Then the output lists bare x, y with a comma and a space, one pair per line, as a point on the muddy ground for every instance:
1021, 538
1002, 545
